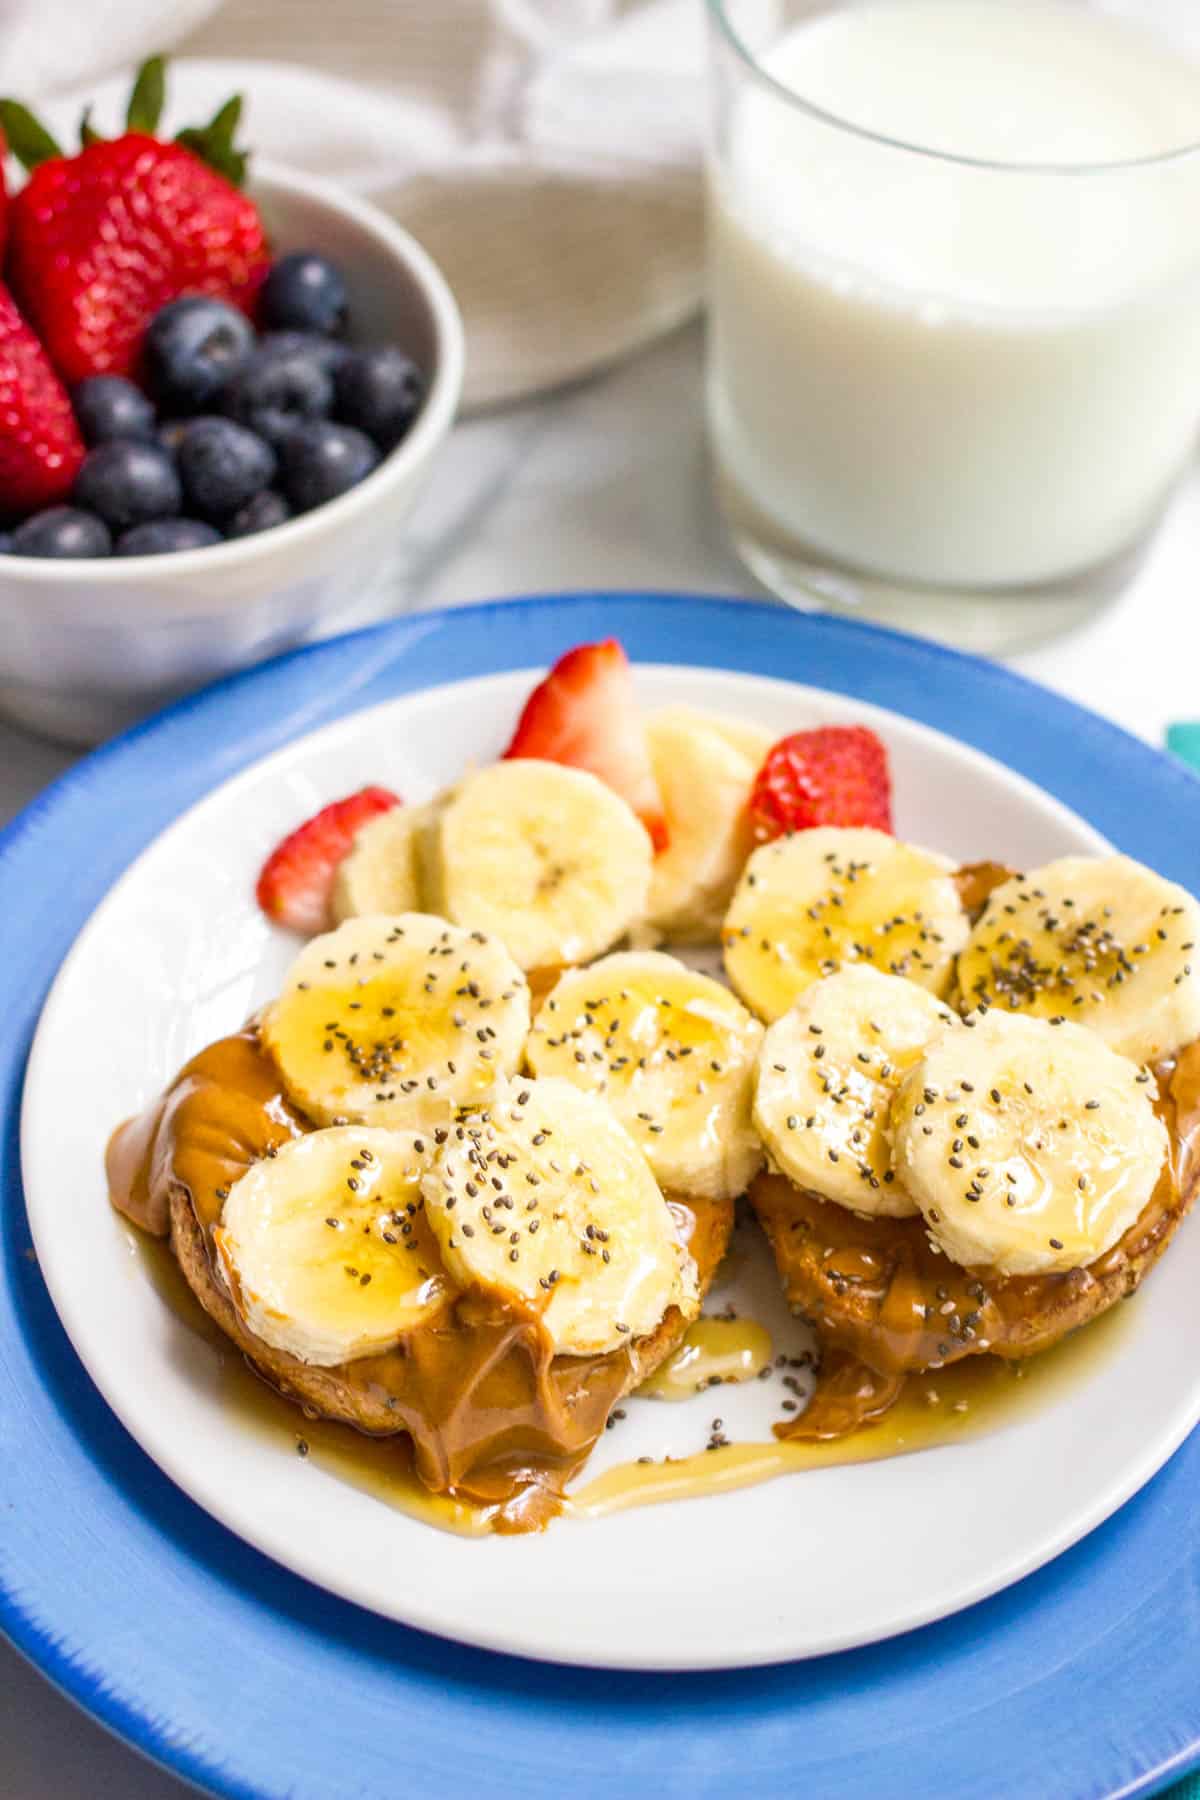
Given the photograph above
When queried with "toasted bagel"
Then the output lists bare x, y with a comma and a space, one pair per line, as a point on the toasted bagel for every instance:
491, 1409
350, 1393
876, 1288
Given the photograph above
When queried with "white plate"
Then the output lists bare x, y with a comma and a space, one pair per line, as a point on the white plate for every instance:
178, 955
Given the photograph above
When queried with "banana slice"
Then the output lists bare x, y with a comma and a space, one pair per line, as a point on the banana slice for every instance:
546, 858
381, 874
826, 1076
1029, 1147
808, 904
543, 1198
673, 1054
705, 768
751, 740
396, 1021
324, 1247
1103, 941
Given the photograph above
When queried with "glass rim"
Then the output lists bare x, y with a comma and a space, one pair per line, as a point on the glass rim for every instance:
718, 12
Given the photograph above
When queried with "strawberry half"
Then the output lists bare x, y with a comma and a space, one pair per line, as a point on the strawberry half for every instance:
836, 775
296, 882
40, 445
585, 714
100, 241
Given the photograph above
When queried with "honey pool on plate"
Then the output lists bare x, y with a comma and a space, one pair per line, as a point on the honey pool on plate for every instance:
725, 1356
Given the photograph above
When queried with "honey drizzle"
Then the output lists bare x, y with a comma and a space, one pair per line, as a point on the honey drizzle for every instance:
714, 1350
970, 1399
965, 1400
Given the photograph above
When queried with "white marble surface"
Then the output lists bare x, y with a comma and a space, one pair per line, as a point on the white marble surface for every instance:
603, 486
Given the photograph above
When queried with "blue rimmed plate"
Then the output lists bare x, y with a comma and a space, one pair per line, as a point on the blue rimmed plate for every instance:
252, 1681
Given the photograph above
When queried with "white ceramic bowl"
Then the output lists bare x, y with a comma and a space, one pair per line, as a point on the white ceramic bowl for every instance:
87, 647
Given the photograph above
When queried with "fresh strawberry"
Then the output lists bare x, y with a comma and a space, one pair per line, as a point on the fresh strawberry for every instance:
585, 714
836, 775
100, 241
3, 196
297, 878
40, 445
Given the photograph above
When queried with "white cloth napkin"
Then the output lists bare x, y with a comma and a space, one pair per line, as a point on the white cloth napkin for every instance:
546, 152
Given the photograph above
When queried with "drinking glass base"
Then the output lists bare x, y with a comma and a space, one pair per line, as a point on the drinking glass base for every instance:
991, 622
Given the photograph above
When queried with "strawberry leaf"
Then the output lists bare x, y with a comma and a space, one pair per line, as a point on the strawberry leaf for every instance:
28, 140
149, 93
214, 143
88, 134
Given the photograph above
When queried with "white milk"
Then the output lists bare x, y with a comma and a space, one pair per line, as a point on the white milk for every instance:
943, 373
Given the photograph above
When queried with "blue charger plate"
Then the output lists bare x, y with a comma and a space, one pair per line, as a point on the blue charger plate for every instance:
1083, 1680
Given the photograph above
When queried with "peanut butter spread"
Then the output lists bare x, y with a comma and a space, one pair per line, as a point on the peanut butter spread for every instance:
975, 882
493, 1413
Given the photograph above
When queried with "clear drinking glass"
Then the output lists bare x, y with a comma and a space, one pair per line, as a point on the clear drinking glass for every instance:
951, 390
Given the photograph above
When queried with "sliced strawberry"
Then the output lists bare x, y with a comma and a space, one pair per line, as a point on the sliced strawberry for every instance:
836, 775
585, 714
297, 878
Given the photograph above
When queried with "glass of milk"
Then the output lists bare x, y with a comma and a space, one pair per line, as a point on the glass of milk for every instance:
954, 330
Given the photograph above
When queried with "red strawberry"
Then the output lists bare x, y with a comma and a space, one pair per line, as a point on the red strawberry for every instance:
3, 196
836, 775
100, 241
297, 878
584, 714
40, 445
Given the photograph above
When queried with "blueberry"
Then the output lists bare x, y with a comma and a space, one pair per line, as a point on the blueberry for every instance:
192, 348
108, 407
169, 435
327, 351
320, 461
305, 292
222, 465
380, 391
279, 388
260, 514
62, 531
163, 536
128, 484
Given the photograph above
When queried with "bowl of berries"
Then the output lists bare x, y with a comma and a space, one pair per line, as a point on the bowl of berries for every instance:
220, 394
